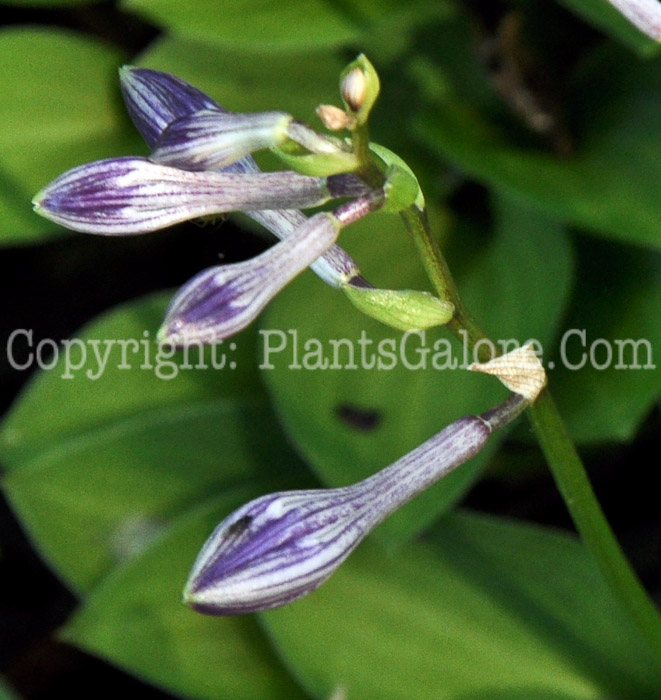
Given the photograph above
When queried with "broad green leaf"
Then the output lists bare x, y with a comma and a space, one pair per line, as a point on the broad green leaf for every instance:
60, 108
602, 15
352, 418
608, 185
272, 24
97, 466
135, 620
488, 610
113, 370
246, 23
516, 283
93, 501
608, 358
250, 80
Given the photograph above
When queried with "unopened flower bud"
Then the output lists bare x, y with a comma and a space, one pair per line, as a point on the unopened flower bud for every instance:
334, 118
155, 100
282, 546
210, 139
359, 87
223, 300
129, 195
354, 88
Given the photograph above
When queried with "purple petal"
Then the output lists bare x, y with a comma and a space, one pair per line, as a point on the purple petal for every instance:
335, 267
134, 195
644, 14
221, 301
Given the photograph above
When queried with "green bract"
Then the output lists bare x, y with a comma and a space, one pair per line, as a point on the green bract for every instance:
407, 310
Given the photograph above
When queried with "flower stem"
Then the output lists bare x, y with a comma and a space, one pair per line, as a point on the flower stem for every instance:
439, 274
589, 518
558, 448
367, 169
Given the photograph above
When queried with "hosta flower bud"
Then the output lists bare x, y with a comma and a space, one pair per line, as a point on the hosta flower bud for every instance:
154, 100
210, 139
222, 300
134, 195
280, 547
335, 267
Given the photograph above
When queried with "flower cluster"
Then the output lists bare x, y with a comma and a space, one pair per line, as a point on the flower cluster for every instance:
200, 164
284, 545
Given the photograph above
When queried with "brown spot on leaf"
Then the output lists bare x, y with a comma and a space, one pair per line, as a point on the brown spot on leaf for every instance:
362, 419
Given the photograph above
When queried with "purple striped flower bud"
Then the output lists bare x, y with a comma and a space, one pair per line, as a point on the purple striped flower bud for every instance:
222, 300
155, 99
280, 547
123, 196
335, 267
210, 139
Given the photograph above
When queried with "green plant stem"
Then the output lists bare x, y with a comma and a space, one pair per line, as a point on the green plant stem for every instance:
591, 523
367, 170
440, 276
559, 451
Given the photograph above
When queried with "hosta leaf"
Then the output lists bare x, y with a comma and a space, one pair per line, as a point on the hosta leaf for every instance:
99, 499
608, 185
60, 108
607, 376
489, 609
272, 24
96, 468
120, 372
135, 620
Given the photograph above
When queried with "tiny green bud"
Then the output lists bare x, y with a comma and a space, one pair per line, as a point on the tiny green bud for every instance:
406, 310
354, 88
359, 87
